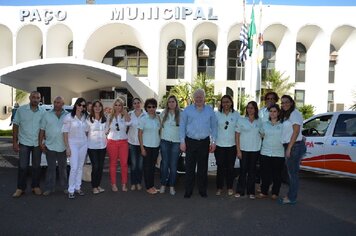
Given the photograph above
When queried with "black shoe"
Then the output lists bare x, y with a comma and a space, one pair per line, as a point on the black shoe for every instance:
187, 195
204, 195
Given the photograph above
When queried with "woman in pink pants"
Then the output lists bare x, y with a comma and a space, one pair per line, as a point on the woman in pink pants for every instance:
117, 145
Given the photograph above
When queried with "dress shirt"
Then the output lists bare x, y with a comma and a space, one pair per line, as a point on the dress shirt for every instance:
198, 124
52, 125
28, 122
76, 128
96, 134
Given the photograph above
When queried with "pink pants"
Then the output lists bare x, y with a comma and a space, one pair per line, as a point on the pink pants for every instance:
118, 150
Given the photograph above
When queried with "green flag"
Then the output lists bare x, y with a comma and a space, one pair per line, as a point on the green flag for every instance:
251, 31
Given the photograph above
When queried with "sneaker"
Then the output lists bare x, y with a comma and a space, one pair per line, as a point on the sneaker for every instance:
133, 187
46, 193
124, 188
218, 193
139, 187
172, 191
79, 192
252, 196
37, 191
114, 188
162, 189
18, 193
101, 189
96, 191
237, 195
230, 192
71, 195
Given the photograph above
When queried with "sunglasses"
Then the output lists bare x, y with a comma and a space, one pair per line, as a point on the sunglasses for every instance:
149, 107
117, 127
226, 124
81, 105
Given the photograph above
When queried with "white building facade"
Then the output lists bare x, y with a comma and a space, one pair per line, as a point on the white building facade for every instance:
102, 51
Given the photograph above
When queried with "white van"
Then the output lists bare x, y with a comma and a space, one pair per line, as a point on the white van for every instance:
331, 143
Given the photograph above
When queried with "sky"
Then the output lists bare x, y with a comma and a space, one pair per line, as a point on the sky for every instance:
269, 2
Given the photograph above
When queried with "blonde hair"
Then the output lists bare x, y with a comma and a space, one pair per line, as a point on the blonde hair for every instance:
112, 114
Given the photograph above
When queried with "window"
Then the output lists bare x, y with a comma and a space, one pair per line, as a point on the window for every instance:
206, 57
133, 59
330, 100
235, 69
299, 97
175, 59
332, 63
41, 52
300, 60
70, 49
345, 126
317, 126
269, 58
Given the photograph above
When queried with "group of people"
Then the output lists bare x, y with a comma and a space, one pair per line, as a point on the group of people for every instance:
271, 135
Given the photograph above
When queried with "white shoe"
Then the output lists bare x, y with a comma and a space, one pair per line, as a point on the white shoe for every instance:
172, 191
162, 189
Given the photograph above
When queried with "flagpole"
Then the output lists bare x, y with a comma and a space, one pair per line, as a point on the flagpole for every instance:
239, 84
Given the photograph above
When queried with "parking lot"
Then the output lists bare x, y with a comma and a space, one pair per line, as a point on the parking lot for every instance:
326, 206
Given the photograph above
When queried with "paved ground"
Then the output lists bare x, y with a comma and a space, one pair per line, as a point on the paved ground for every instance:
326, 207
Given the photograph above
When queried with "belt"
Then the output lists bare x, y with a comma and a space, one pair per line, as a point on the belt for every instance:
198, 140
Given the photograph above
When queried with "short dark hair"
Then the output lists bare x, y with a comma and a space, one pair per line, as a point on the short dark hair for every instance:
150, 101
277, 108
275, 95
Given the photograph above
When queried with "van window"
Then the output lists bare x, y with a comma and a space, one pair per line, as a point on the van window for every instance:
317, 126
345, 126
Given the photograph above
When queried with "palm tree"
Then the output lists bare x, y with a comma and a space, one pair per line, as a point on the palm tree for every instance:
204, 81
182, 93
276, 82
20, 95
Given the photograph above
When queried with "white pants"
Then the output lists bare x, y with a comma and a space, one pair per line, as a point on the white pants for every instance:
76, 160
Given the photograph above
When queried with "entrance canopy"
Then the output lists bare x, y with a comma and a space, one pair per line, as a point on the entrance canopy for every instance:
71, 78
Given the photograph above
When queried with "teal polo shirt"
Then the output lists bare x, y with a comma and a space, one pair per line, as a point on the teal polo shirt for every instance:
250, 138
272, 145
28, 122
170, 129
150, 131
52, 125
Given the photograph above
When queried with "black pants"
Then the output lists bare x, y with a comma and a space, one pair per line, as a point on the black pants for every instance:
225, 160
197, 154
247, 173
271, 170
97, 157
149, 165
24, 160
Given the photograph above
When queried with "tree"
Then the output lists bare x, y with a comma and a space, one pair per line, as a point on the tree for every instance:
204, 81
20, 95
275, 81
307, 111
182, 93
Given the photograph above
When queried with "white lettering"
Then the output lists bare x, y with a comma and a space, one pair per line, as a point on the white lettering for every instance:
45, 16
35, 15
211, 14
167, 14
199, 13
23, 14
133, 12
186, 11
61, 15
48, 16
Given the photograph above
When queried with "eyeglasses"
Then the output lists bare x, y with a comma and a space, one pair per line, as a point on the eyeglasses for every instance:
226, 124
81, 105
149, 107
270, 98
117, 127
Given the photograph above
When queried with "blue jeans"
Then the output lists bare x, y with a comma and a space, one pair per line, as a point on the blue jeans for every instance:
293, 165
136, 164
170, 155
24, 160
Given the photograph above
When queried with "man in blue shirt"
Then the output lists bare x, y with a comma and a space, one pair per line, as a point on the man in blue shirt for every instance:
51, 142
197, 133
25, 130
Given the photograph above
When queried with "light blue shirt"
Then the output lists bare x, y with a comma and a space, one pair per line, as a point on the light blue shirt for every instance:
271, 144
198, 124
150, 131
227, 125
52, 125
250, 138
28, 122
263, 114
170, 129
